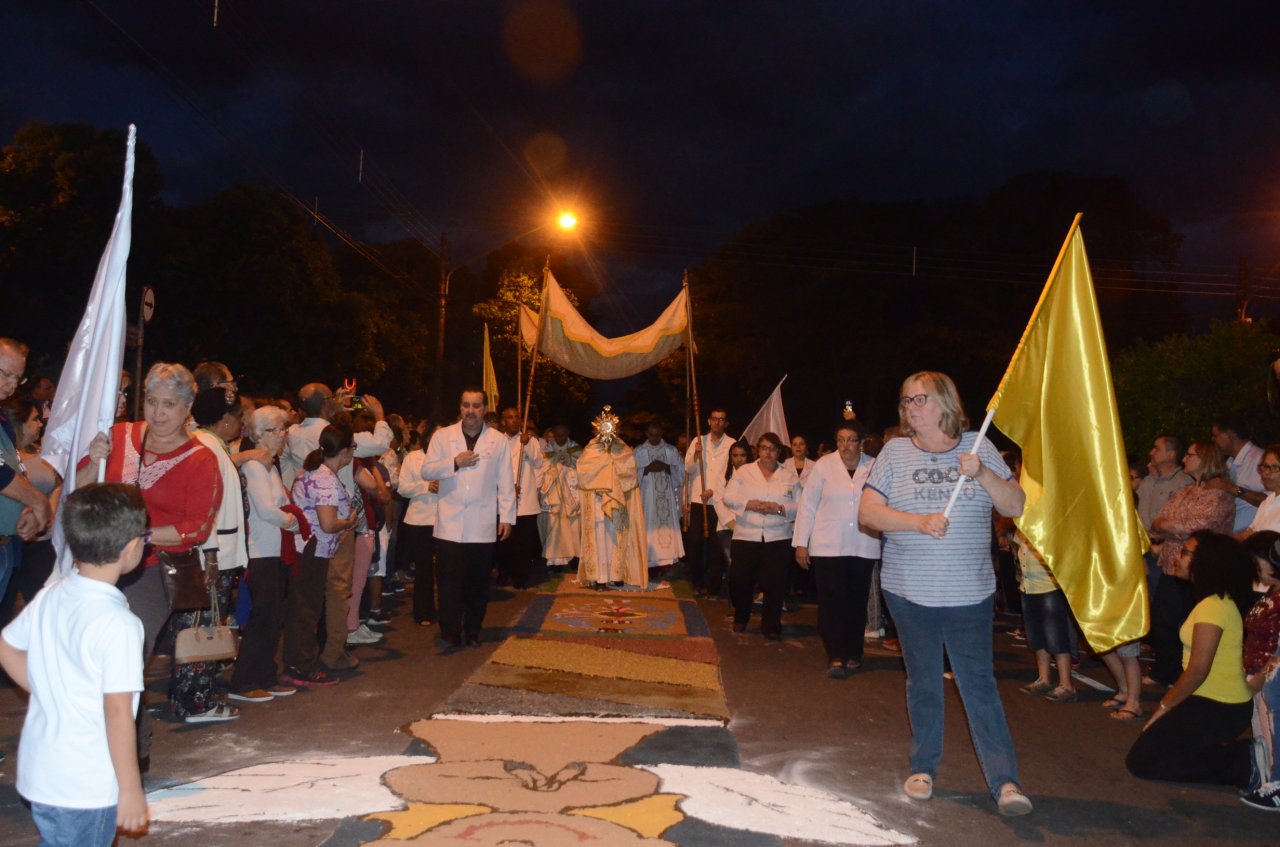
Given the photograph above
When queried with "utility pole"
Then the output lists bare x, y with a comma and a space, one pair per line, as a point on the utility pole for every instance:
437, 398
1242, 292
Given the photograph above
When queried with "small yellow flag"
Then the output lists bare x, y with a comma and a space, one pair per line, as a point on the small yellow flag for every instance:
1057, 403
490, 383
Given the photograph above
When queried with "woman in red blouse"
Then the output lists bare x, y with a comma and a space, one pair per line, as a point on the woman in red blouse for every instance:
179, 480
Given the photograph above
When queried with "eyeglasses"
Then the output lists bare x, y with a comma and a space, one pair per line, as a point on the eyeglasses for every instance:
1263, 467
913, 400
18, 379
848, 440
1187, 551
274, 429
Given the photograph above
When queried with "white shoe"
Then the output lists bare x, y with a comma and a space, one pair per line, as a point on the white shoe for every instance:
363, 635
1012, 802
919, 786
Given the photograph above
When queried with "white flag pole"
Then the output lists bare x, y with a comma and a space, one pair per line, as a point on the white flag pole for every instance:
977, 442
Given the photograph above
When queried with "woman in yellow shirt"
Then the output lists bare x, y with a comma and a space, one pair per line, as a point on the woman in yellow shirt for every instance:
1193, 734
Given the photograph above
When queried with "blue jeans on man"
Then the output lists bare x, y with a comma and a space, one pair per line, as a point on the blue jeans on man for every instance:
63, 827
963, 633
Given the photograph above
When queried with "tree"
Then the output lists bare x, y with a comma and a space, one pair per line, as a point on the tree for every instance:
1178, 385
556, 391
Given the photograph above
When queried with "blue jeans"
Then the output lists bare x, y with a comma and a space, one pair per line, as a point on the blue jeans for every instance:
964, 633
63, 827
10, 562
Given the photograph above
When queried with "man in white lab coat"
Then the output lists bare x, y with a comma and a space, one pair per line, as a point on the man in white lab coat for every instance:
476, 508
516, 554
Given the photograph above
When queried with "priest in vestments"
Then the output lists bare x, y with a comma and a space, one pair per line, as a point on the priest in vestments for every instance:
613, 546
661, 471
560, 510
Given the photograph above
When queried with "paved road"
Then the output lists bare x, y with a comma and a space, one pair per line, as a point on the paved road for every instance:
847, 737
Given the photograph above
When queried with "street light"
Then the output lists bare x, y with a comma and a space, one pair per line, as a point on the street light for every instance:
567, 220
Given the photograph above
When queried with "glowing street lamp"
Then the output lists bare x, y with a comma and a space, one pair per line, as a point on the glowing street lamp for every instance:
567, 220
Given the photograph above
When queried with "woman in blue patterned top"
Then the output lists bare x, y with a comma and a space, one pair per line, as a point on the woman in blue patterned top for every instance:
938, 579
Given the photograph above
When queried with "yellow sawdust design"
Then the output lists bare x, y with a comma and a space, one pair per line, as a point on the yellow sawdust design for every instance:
597, 661
420, 817
649, 817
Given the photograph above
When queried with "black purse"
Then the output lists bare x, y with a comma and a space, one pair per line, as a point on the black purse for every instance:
181, 572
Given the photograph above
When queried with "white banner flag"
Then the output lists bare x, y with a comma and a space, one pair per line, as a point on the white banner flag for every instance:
85, 403
770, 418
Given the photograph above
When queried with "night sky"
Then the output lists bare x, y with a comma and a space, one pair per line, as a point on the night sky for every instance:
669, 126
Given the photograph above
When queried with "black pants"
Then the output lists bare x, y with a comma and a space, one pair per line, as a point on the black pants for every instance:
464, 586
415, 545
303, 609
516, 554
844, 582
764, 562
1169, 608
706, 563
256, 664
1197, 741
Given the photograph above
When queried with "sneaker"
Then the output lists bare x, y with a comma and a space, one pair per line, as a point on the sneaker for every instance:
919, 786
378, 618
891, 644
217, 714
281, 690
257, 695
1266, 798
1012, 802
363, 635
315, 679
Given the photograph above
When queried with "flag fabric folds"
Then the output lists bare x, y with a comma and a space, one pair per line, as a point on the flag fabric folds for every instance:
770, 418
1057, 402
85, 403
571, 342
490, 384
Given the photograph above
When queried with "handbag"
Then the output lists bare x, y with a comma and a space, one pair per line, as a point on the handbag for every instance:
182, 575
210, 643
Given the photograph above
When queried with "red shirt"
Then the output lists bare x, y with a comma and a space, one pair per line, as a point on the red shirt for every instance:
182, 488
1262, 632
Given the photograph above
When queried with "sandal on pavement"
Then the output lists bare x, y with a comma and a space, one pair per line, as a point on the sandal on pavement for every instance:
1125, 715
220, 712
1040, 686
1062, 695
836, 670
1114, 702
919, 786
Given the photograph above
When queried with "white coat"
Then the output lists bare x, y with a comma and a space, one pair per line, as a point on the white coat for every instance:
472, 501
827, 516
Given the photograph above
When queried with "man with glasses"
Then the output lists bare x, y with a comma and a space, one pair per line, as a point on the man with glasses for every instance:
1232, 437
706, 561
24, 511
1268, 515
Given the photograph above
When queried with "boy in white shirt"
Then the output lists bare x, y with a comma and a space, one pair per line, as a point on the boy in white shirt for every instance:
78, 649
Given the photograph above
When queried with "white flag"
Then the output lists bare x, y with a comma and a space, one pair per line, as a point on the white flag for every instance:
85, 403
770, 418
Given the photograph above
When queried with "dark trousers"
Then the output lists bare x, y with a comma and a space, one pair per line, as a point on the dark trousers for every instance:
844, 582
764, 562
516, 554
416, 546
1169, 608
302, 611
1197, 741
463, 571
145, 593
706, 563
256, 664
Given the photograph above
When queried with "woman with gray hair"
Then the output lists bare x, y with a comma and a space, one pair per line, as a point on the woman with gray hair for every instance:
179, 480
255, 678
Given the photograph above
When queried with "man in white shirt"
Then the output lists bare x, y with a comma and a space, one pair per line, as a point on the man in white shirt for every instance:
516, 554
1232, 437
476, 508
705, 490
661, 476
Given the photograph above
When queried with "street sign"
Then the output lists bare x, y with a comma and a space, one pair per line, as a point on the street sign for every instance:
148, 304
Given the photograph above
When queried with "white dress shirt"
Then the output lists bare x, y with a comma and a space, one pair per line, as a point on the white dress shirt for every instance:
716, 456
1244, 472
423, 502
748, 483
827, 515
472, 500
530, 477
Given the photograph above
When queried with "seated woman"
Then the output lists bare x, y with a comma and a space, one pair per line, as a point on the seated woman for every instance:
1261, 638
1193, 735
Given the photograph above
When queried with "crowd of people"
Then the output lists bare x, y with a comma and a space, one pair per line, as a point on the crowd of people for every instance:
303, 514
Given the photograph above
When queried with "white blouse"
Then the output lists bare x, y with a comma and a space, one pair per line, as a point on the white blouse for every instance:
748, 483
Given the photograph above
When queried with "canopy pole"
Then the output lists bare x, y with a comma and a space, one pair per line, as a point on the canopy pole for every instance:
697, 414
533, 368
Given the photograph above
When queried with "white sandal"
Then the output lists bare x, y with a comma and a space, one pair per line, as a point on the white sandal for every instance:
219, 713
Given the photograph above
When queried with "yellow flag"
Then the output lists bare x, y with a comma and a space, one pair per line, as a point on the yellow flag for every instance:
1057, 402
490, 383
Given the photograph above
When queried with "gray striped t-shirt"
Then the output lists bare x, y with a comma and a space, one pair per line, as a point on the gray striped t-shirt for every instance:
955, 570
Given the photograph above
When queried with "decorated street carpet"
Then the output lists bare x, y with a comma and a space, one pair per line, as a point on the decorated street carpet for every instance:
600, 720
